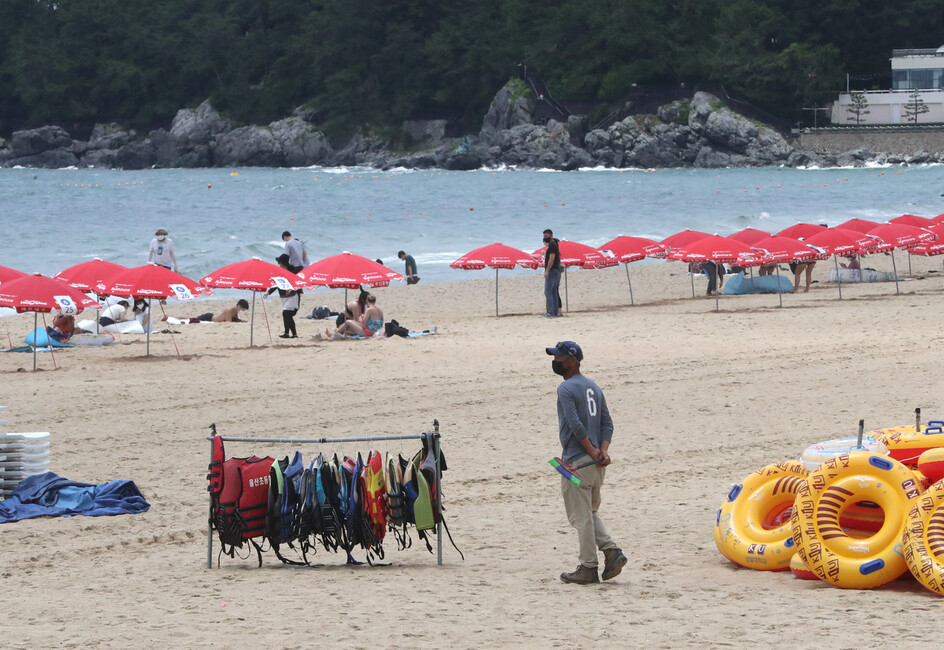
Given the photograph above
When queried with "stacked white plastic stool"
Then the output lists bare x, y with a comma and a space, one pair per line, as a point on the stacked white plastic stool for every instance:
21, 455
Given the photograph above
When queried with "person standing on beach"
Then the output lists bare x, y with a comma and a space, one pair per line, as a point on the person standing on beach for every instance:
410, 267
552, 273
161, 251
290, 302
585, 434
297, 255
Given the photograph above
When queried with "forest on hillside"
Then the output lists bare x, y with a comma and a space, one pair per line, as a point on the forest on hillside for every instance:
360, 62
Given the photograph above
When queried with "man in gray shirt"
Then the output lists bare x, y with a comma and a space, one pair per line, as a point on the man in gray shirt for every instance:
585, 433
297, 255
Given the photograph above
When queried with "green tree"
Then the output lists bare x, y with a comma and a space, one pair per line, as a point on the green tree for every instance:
915, 106
858, 106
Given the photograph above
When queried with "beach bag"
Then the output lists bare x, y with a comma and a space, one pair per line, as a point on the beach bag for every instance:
393, 328
321, 312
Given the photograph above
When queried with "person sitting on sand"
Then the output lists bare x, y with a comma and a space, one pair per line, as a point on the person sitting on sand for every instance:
358, 306
114, 313
373, 317
141, 312
62, 328
346, 326
853, 262
228, 315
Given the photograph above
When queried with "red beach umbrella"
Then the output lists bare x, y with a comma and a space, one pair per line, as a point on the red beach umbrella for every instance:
858, 225
777, 249
680, 239
153, 281
495, 256
347, 271
631, 249
839, 241
713, 249
799, 230
38, 293
931, 246
938, 219
576, 254
749, 236
898, 235
912, 220
253, 275
90, 276
7, 274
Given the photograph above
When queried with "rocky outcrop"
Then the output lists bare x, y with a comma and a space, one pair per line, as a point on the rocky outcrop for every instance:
700, 132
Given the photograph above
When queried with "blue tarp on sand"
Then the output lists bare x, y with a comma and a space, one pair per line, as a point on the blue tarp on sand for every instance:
50, 495
761, 284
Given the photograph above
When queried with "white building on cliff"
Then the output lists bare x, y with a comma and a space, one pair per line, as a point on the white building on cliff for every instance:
921, 70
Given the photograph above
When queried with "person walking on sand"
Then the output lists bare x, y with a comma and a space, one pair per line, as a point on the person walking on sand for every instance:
552, 273
297, 254
290, 302
585, 434
409, 267
161, 251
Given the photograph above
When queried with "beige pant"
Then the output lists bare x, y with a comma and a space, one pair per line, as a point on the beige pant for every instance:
582, 504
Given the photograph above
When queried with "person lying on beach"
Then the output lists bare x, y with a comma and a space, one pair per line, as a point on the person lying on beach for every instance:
62, 328
228, 315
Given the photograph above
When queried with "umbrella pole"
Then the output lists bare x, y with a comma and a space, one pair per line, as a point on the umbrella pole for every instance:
252, 318
147, 352
895, 271
631, 300
692, 276
717, 308
566, 293
779, 288
35, 342
269, 327
909, 264
496, 291
838, 276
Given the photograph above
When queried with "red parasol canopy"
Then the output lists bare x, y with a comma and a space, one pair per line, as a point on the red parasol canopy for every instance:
777, 249
938, 219
838, 241
749, 236
252, 275
631, 249
496, 256
931, 247
7, 274
912, 220
90, 276
680, 239
713, 248
348, 271
801, 230
858, 225
153, 281
38, 293
576, 254
898, 235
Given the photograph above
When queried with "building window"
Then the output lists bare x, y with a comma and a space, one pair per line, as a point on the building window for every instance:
917, 79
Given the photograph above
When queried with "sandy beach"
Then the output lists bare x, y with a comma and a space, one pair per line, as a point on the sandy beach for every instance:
699, 399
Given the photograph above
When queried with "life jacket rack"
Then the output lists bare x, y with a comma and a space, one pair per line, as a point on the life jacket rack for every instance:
323, 441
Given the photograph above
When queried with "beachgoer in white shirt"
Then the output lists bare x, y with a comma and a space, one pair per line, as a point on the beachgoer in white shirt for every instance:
161, 251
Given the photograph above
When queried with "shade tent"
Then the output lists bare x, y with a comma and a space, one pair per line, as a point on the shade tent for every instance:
495, 256
626, 250
152, 281
576, 254
897, 235
713, 248
253, 275
37, 293
839, 241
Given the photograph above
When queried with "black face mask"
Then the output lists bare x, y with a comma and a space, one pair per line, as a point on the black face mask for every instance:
547, 240
558, 367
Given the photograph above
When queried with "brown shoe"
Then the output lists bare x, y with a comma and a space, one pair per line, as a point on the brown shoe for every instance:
582, 576
615, 561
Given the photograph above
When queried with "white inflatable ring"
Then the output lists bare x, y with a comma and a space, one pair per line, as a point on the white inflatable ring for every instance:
815, 455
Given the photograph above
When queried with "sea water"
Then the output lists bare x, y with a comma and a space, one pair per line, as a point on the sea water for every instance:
53, 219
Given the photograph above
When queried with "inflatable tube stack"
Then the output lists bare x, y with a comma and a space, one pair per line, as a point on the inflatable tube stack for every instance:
857, 520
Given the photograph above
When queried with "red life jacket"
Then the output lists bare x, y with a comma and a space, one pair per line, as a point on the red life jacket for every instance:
242, 503
375, 494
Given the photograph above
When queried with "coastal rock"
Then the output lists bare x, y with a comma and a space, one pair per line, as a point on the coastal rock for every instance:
135, 155
511, 107
302, 145
200, 125
50, 159
108, 136
35, 141
430, 131
248, 146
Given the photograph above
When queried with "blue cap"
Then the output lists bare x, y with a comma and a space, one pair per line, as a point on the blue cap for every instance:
567, 348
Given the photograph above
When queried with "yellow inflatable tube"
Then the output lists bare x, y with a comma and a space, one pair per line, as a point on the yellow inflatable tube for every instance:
907, 443
752, 527
835, 556
923, 539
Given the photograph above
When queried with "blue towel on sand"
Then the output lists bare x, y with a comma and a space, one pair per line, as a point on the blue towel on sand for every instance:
50, 495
